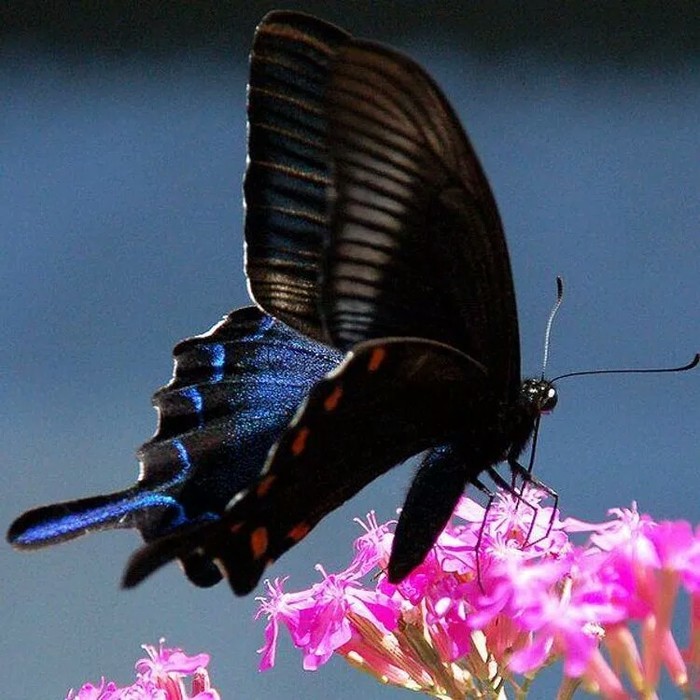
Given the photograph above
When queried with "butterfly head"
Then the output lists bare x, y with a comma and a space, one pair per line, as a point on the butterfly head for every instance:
538, 395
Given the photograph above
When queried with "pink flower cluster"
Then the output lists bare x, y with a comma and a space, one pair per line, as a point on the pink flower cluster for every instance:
476, 620
161, 676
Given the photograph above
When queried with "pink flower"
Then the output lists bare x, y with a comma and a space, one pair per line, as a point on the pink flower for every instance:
161, 676
105, 691
497, 600
325, 618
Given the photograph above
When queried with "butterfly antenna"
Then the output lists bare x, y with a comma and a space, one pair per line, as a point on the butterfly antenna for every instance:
647, 370
550, 321
547, 336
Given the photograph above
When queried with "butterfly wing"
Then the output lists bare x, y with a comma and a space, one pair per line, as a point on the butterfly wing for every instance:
234, 390
368, 213
389, 400
417, 246
289, 170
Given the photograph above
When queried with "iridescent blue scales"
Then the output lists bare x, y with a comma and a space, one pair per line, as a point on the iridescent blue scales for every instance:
234, 390
357, 423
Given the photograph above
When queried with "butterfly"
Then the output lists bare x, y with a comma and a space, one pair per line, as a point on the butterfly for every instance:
385, 327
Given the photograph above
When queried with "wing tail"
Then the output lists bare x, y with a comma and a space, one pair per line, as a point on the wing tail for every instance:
60, 522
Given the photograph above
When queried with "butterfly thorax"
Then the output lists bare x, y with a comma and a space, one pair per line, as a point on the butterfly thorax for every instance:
498, 429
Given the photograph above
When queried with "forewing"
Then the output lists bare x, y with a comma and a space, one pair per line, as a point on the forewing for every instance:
389, 400
233, 393
368, 214
417, 246
289, 169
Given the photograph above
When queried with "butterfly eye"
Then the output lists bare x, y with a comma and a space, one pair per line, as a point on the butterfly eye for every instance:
548, 399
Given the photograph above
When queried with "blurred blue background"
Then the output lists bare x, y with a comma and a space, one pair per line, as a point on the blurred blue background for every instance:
121, 233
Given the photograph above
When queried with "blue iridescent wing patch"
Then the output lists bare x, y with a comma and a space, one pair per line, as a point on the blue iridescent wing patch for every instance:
233, 393
356, 424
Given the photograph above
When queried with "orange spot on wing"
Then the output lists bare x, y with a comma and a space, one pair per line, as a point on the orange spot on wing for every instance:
264, 485
299, 443
299, 531
376, 359
258, 542
333, 399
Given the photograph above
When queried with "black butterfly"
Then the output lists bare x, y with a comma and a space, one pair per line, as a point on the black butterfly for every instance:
371, 230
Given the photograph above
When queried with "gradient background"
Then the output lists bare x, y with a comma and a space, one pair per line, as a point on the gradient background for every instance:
122, 147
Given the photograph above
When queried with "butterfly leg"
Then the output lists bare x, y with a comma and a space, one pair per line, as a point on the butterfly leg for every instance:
525, 474
518, 496
477, 547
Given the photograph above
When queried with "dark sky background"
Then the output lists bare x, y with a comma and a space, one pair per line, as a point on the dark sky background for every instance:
122, 147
